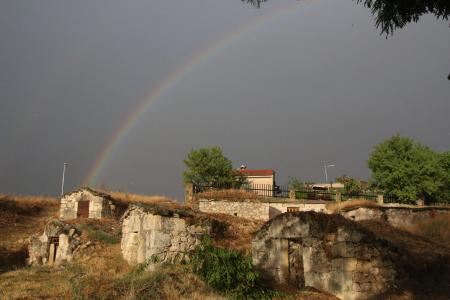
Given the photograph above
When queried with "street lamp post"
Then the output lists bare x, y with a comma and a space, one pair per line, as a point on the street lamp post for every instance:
63, 174
326, 174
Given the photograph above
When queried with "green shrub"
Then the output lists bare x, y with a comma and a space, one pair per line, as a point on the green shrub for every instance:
228, 271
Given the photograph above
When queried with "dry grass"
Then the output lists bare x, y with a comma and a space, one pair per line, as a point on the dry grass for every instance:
338, 206
11, 207
238, 232
100, 272
20, 217
127, 198
30, 201
436, 229
424, 264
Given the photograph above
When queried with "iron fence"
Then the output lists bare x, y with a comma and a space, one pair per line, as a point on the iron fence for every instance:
315, 195
359, 195
390, 198
242, 190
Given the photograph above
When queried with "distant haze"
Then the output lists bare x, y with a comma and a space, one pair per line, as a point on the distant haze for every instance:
317, 85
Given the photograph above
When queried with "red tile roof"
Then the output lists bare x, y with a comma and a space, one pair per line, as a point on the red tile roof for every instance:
257, 172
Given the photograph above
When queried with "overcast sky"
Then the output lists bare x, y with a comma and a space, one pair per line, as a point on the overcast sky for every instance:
319, 84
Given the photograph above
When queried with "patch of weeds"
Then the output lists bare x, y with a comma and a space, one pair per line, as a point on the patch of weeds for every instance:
97, 234
140, 283
76, 281
228, 271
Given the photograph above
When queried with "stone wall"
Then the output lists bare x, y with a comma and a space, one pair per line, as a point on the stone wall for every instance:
159, 234
100, 205
258, 210
277, 208
243, 209
55, 246
395, 216
326, 252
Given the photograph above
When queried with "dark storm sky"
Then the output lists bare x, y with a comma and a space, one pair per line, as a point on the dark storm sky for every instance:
317, 85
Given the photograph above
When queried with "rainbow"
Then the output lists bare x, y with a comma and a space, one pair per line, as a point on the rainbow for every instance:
133, 117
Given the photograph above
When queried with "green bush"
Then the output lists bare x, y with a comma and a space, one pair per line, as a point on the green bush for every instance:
230, 272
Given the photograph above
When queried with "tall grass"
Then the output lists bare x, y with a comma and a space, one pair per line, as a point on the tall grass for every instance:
436, 229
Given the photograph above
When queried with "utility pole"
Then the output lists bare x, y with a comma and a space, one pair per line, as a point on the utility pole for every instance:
63, 174
325, 168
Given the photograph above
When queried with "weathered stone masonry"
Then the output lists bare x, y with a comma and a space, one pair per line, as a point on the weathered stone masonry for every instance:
88, 203
160, 234
394, 216
255, 210
56, 245
326, 252
243, 209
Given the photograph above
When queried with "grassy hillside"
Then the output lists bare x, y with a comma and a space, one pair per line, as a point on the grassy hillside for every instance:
98, 271
20, 217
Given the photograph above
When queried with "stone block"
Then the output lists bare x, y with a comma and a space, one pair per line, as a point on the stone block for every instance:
344, 264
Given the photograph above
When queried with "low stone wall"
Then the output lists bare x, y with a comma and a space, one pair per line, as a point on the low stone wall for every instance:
277, 208
326, 252
243, 209
395, 216
258, 210
56, 245
155, 234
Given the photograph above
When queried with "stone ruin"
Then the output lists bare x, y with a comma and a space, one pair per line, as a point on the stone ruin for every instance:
326, 252
55, 246
89, 203
394, 216
158, 234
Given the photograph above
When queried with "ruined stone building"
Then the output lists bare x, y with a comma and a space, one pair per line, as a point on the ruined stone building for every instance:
55, 246
157, 233
88, 203
326, 252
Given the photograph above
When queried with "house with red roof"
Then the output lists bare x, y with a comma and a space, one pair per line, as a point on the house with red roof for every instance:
264, 179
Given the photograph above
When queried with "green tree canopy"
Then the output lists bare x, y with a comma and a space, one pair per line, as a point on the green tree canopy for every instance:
208, 166
410, 170
299, 185
351, 185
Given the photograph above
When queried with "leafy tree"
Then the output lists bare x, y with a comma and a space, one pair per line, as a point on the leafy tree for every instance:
351, 185
393, 14
298, 185
208, 166
444, 163
409, 170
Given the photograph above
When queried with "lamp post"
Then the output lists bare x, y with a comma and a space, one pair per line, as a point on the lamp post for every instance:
326, 174
63, 174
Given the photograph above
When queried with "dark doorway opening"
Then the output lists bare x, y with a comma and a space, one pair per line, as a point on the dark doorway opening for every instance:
296, 271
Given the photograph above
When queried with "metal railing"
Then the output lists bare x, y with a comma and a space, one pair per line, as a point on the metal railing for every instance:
250, 190
246, 189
